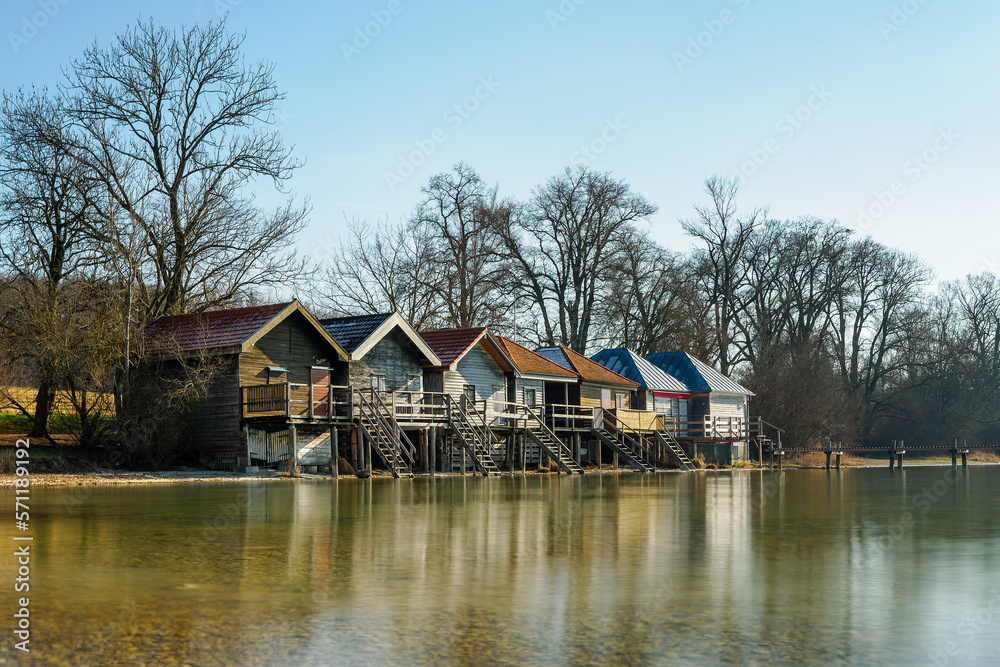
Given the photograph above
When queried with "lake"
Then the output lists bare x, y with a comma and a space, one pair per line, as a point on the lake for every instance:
861, 566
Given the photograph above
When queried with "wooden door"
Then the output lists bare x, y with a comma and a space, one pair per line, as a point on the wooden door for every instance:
320, 379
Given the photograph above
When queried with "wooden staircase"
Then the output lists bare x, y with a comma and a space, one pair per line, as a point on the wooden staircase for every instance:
476, 440
625, 441
666, 440
383, 433
541, 435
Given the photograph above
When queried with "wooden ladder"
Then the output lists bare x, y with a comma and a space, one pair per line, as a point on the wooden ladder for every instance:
614, 434
668, 442
550, 443
475, 441
384, 438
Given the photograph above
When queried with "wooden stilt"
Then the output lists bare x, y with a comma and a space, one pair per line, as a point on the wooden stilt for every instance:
334, 452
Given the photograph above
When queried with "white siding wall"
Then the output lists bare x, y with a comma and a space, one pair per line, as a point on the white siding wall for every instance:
526, 383
477, 368
726, 405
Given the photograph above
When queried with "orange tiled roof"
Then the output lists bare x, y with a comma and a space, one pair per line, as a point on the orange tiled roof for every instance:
450, 345
532, 362
589, 371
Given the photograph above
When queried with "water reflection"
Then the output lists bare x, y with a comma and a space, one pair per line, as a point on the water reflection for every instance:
857, 566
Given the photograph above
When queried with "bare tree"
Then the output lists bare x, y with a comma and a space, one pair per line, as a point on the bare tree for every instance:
563, 245
459, 217
868, 320
175, 125
725, 236
380, 268
46, 241
648, 304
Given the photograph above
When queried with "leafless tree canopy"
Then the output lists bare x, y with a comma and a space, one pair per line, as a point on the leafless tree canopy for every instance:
175, 124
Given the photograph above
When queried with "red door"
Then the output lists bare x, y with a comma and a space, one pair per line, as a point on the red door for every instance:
320, 379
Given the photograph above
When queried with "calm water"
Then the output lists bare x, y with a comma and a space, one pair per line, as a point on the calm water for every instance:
857, 567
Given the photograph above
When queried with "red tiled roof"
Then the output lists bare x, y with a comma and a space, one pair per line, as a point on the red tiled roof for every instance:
450, 345
531, 362
210, 330
589, 371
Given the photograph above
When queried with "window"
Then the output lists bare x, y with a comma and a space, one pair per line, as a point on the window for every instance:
621, 401
470, 391
378, 383
529, 398
606, 399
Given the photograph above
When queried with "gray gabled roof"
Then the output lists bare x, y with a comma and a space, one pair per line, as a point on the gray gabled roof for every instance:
360, 334
698, 376
629, 364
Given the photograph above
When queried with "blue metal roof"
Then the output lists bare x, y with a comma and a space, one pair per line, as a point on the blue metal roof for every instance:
555, 354
626, 362
698, 376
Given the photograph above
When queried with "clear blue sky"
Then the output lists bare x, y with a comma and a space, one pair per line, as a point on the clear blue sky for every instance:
887, 81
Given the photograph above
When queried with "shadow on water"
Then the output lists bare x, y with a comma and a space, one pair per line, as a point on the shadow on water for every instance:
853, 567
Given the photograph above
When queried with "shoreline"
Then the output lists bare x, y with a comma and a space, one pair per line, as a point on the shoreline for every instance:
109, 478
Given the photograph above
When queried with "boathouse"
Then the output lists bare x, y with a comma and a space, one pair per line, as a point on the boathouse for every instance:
276, 364
474, 367
385, 353
597, 386
538, 381
658, 391
720, 404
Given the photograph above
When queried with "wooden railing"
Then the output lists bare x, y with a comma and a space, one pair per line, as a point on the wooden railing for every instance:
569, 417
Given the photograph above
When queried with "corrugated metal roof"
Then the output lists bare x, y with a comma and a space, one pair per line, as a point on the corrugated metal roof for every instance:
351, 332
210, 330
589, 371
627, 363
697, 375
532, 362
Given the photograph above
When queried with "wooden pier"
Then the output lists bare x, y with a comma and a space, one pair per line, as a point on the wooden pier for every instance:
894, 451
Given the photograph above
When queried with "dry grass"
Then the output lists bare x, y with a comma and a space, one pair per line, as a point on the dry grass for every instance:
699, 461
818, 460
983, 457
26, 397
344, 467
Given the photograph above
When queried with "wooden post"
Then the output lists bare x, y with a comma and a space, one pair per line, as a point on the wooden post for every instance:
462, 454
361, 449
293, 441
312, 412
954, 454
524, 455
829, 452
246, 434
892, 455
902, 448
839, 455
781, 458
288, 400
335, 451
965, 459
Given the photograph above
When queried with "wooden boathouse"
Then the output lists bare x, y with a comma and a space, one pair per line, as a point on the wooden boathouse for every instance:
277, 366
296, 391
721, 426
